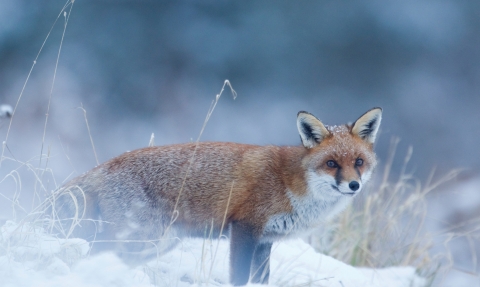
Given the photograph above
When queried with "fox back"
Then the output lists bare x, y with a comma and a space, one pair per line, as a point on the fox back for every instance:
142, 201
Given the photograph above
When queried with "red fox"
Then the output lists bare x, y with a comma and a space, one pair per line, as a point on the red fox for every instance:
144, 200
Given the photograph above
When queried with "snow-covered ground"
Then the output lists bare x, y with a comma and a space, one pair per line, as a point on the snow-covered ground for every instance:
454, 217
30, 257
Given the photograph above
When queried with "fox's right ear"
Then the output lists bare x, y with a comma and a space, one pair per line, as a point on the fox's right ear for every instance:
311, 129
366, 127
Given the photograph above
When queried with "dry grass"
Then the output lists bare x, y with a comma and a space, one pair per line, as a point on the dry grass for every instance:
386, 225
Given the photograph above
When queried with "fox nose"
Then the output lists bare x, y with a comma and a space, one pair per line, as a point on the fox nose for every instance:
354, 185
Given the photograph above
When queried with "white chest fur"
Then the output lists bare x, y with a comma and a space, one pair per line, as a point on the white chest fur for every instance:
308, 211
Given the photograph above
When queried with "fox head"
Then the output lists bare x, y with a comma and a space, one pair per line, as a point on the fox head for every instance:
340, 159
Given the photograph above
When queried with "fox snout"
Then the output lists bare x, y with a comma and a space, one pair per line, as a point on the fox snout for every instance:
350, 188
343, 187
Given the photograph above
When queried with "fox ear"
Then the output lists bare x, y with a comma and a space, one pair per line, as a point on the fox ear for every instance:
366, 127
311, 129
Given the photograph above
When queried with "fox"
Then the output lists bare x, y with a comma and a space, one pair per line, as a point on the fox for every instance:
141, 203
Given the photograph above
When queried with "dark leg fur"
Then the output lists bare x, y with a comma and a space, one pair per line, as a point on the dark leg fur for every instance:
242, 246
261, 263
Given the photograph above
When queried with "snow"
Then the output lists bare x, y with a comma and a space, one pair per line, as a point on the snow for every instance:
5, 111
34, 258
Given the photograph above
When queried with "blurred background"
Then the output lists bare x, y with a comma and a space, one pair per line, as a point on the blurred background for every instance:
139, 67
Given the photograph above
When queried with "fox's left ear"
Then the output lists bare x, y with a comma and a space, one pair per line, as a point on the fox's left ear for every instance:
311, 129
366, 127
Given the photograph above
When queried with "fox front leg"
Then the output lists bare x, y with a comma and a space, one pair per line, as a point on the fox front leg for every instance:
261, 263
242, 247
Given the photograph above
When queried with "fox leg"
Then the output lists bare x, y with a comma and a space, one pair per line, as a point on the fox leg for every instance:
261, 263
242, 247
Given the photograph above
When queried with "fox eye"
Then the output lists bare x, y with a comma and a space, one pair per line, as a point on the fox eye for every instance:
332, 164
359, 162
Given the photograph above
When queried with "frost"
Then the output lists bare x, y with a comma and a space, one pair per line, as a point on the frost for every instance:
337, 129
30, 243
